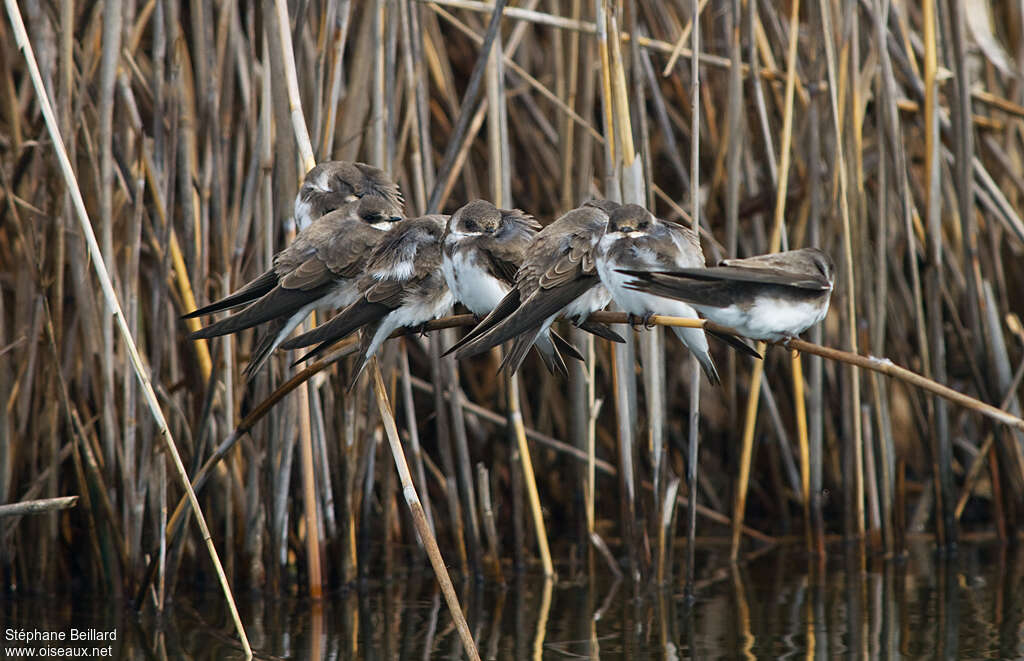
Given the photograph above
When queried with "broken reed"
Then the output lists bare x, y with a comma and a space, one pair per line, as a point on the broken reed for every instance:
903, 163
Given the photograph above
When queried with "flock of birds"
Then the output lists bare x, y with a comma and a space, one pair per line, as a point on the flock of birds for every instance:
355, 251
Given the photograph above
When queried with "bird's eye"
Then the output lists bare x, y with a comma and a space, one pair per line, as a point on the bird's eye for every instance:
472, 226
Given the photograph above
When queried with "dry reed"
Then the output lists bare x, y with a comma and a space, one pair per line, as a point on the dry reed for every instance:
886, 133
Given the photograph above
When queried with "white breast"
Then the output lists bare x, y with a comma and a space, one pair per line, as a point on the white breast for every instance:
630, 300
471, 285
303, 213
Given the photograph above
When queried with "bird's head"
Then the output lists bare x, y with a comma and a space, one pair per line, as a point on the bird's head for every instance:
630, 218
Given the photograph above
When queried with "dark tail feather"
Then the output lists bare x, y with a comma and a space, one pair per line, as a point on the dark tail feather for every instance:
316, 352
529, 317
361, 358
517, 353
708, 365
279, 303
548, 353
249, 292
564, 346
735, 343
504, 308
342, 325
264, 348
601, 330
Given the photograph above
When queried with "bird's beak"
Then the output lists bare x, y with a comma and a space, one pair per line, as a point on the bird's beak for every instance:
395, 219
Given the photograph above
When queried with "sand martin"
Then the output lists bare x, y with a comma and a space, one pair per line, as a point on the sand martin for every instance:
768, 297
318, 270
333, 183
637, 240
402, 286
558, 276
483, 248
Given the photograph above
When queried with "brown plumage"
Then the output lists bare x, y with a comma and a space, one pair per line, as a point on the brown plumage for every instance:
558, 277
402, 287
318, 269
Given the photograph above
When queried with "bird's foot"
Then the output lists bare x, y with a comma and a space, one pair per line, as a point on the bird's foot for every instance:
647, 320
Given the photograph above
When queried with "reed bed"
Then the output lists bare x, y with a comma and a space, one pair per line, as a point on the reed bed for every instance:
888, 134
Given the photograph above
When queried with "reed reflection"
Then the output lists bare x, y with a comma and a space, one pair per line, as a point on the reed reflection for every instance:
780, 605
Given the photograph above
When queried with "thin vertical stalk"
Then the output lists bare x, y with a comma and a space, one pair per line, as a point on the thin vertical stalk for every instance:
529, 479
693, 455
941, 443
466, 109
498, 155
624, 183
830, 61
310, 500
805, 455
414, 434
464, 469
775, 241
105, 105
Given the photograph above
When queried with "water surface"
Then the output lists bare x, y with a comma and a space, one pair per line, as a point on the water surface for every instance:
966, 605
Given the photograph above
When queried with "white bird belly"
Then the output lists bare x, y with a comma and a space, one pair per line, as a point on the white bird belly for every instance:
593, 299
768, 319
339, 297
471, 285
639, 302
411, 315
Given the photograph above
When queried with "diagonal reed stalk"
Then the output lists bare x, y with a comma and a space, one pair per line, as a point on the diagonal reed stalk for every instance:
114, 305
419, 518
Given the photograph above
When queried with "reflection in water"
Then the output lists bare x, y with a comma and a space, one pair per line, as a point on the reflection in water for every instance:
781, 605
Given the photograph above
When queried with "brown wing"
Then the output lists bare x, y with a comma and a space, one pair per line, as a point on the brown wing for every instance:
575, 260
505, 254
311, 274
386, 292
752, 274
796, 268
688, 242
347, 251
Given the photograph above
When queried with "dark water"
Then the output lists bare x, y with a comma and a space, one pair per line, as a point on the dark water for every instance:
968, 605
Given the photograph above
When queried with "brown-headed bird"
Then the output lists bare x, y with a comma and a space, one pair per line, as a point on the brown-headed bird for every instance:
318, 270
402, 286
768, 297
558, 277
483, 249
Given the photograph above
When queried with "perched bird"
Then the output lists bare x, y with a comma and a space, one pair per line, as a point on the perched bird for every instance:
318, 270
483, 248
333, 183
768, 297
402, 286
558, 276
636, 239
